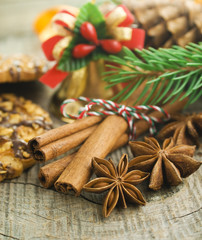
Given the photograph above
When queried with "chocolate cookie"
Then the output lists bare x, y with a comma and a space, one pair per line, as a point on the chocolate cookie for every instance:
20, 120
21, 68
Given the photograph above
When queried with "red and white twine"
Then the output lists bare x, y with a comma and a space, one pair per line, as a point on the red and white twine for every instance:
109, 107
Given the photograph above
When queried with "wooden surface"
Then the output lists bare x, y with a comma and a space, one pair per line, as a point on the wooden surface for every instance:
30, 212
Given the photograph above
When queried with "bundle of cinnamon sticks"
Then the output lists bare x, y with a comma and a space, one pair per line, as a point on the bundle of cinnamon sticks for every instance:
60, 140
99, 137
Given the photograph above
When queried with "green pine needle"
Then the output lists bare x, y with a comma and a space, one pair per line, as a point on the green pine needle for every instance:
171, 74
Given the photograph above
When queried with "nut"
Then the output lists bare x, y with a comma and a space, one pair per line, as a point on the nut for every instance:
6, 131
25, 154
13, 166
5, 146
7, 105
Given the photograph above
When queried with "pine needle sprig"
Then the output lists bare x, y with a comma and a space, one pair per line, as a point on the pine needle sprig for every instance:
177, 71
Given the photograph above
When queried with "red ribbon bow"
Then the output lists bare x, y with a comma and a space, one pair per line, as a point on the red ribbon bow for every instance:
117, 22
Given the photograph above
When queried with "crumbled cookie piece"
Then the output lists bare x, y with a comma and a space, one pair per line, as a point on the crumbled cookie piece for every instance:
21, 68
20, 120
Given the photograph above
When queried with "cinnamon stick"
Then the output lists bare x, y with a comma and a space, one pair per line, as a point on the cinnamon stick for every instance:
99, 144
57, 148
62, 131
49, 173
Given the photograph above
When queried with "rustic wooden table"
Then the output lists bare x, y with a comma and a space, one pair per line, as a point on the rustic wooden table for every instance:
30, 212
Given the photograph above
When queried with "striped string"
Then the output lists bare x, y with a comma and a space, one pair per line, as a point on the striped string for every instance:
109, 107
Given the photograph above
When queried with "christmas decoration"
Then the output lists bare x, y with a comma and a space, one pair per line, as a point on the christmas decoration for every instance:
176, 72
88, 36
80, 42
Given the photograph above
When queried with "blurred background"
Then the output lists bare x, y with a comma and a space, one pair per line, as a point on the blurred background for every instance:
16, 24
17, 18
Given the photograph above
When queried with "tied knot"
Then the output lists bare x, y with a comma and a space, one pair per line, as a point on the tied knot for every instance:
123, 110
108, 107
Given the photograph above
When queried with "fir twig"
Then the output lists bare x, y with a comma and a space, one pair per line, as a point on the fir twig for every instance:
177, 70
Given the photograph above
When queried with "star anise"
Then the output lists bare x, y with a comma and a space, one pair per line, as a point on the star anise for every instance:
119, 182
185, 129
167, 164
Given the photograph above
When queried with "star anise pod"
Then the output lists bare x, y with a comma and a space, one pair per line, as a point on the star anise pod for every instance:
185, 129
168, 164
119, 182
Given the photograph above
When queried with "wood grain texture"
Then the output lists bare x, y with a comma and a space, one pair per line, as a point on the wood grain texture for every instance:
31, 212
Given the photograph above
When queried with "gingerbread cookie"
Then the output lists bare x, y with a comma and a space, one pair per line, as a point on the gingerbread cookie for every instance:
20, 120
21, 68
